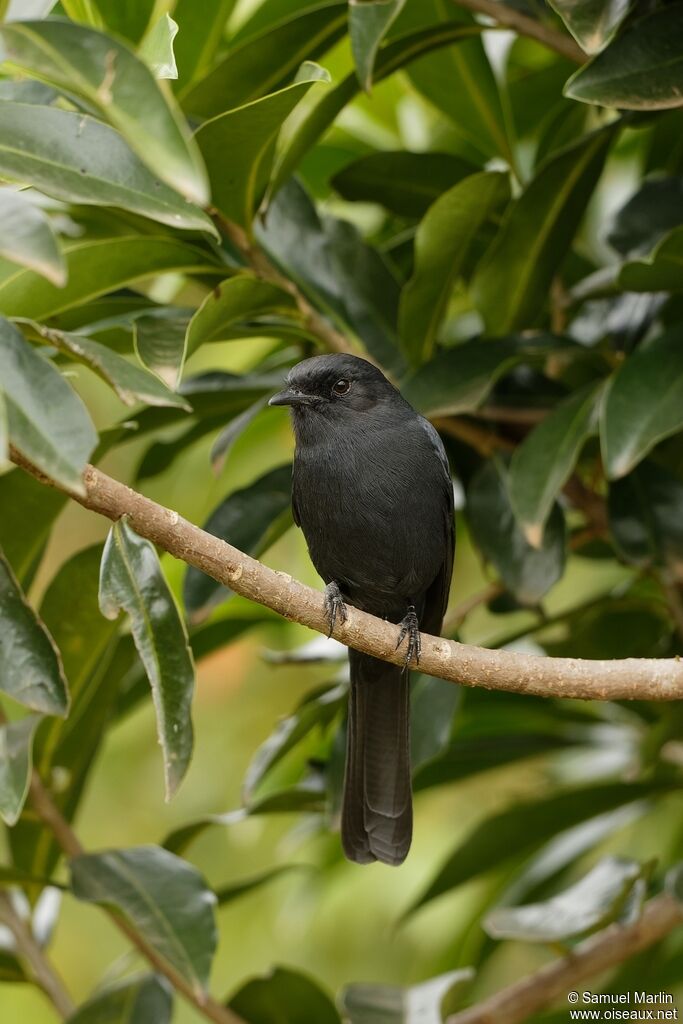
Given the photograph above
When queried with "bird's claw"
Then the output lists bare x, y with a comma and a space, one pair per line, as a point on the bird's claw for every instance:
334, 606
410, 627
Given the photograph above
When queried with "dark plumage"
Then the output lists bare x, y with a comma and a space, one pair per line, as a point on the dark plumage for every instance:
373, 495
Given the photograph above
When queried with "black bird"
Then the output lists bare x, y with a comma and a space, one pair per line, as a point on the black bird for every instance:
372, 493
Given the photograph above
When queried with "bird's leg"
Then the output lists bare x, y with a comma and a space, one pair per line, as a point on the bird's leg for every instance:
334, 606
410, 627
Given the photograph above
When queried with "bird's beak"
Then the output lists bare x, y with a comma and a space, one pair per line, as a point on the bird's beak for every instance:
291, 397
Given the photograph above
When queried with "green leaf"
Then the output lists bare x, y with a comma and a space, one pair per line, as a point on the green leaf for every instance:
108, 76
543, 463
156, 48
267, 61
650, 214
4, 433
145, 999
330, 260
29, 509
644, 402
442, 246
658, 272
73, 157
392, 57
229, 893
16, 739
640, 70
369, 22
240, 298
593, 902
127, 18
425, 1003
160, 346
433, 703
529, 572
130, 383
318, 710
402, 182
131, 580
522, 828
48, 423
249, 134
28, 239
166, 900
512, 281
250, 519
64, 749
201, 35
283, 996
30, 666
97, 266
592, 22
646, 515
459, 379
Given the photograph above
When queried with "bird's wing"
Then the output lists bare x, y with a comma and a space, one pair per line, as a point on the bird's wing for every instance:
436, 598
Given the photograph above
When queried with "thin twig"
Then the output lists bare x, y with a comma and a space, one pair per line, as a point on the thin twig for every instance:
511, 18
51, 816
329, 336
627, 679
42, 971
524, 998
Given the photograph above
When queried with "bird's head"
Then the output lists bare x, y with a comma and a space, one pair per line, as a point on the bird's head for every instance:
334, 387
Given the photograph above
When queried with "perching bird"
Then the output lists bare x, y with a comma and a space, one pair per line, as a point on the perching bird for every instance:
372, 493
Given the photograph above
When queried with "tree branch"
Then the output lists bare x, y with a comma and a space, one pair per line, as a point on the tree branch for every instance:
329, 336
526, 26
521, 1000
50, 815
628, 679
39, 966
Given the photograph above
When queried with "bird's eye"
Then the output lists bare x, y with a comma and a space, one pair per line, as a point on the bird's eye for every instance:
342, 386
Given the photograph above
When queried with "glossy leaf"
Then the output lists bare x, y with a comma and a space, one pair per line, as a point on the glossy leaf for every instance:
459, 379
73, 157
316, 711
591, 903
16, 739
156, 48
30, 667
250, 519
267, 61
640, 70
523, 827
160, 346
392, 57
165, 899
393, 1004
433, 703
105, 73
529, 572
48, 423
97, 266
137, 1000
369, 22
512, 281
592, 22
543, 463
646, 515
241, 298
644, 403
200, 37
248, 134
65, 749
654, 210
330, 259
442, 245
131, 580
405, 183
28, 239
658, 272
283, 996
131, 383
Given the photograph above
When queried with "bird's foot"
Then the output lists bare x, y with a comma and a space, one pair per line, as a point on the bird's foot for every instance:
410, 627
334, 606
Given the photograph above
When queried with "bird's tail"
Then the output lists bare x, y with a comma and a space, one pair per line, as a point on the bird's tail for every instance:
377, 812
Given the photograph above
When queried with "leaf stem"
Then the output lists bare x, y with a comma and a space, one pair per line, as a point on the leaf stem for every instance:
513, 19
